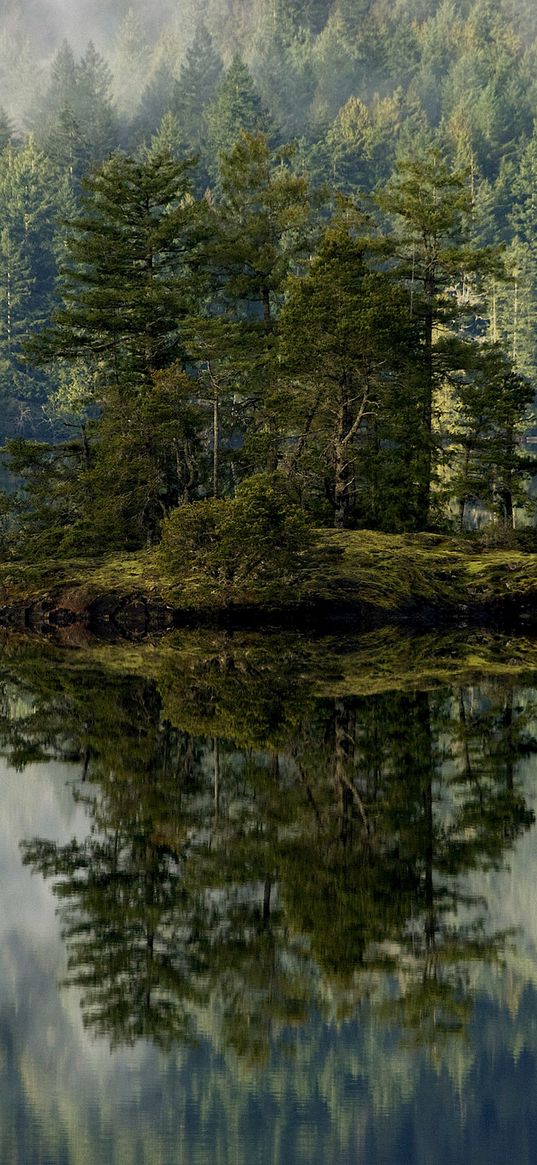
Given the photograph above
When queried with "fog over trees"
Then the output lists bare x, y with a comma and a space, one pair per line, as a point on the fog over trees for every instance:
340, 224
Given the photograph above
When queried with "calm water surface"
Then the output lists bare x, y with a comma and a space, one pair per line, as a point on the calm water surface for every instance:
267, 902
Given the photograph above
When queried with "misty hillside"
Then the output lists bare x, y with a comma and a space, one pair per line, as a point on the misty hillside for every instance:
273, 135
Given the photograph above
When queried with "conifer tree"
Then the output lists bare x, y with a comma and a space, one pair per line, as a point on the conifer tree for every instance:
30, 202
129, 279
67, 148
261, 228
517, 317
76, 124
196, 88
347, 343
281, 54
430, 206
304, 14
488, 464
6, 130
263, 219
157, 100
167, 138
349, 146
94, 104
130, 65
236, 109
62, 87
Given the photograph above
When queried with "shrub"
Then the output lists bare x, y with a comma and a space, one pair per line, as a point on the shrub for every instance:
258, 541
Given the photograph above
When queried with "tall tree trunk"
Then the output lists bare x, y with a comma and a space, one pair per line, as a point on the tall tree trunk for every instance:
425, 473
344, 464
216, 440
267, 312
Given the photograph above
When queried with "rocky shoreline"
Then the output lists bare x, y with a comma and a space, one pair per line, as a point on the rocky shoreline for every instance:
360, 580
137, 615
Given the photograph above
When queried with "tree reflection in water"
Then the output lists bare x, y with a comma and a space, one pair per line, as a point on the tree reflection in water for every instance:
260, 853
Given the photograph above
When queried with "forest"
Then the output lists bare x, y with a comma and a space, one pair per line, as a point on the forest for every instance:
266, 269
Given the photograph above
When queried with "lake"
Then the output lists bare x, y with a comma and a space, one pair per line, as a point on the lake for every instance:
268, 900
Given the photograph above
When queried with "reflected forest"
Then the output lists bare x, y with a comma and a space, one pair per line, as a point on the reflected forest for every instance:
259, 854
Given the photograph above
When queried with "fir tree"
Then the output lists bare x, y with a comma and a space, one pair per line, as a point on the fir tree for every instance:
129, 279
157, 100
347, 344
486, 459
130, 65
126, 283
94, 104
236, 109
431, 206
199, 79
30, 202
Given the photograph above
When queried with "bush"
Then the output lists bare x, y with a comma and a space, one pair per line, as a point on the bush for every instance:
259, 541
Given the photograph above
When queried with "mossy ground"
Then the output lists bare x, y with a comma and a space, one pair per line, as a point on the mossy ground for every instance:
384, 571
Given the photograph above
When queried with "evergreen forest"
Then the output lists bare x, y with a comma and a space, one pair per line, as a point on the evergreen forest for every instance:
266, 268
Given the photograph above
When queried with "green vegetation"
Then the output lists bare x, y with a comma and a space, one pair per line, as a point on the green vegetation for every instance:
197, 573
207, 283
257, 544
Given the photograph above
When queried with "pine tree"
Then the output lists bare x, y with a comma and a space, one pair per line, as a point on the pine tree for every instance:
347, 346
430, 206
196, 88
290, 59
304, 14
30, 202
62, 89
349, 146
76, 125
262, 227
263, 217
157, 100
339, 71
67, 148
518, 328
129, 279
236, 109
130, 65
167, 139
487, 461
126, 282
94, 104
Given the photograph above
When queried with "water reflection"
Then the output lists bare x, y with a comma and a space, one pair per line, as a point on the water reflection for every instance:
262, 857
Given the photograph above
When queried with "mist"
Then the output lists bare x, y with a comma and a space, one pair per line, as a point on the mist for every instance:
354, 84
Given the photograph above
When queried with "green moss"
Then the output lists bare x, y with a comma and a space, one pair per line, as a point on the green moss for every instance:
389, 572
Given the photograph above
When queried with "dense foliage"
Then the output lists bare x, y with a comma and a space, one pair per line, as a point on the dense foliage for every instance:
205, 275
